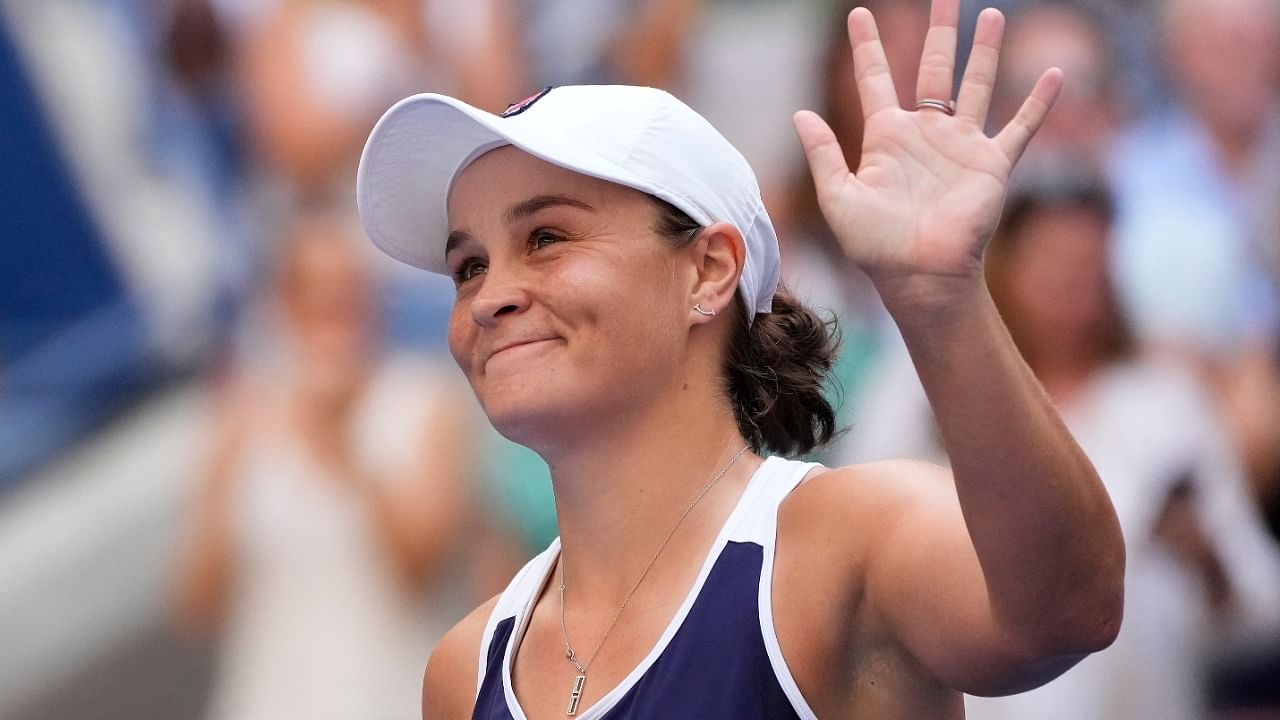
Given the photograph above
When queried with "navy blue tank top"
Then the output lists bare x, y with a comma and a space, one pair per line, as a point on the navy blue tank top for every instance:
718, 659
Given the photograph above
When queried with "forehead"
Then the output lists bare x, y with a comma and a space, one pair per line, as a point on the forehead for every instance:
496, 180
1075, 228
1190, 17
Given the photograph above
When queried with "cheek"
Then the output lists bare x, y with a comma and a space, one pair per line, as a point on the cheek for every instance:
461, 338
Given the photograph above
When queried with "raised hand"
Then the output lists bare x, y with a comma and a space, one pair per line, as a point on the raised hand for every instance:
931, 185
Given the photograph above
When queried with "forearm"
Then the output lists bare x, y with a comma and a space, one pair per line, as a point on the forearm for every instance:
416, 538
417, 516
204, 572
1040, 520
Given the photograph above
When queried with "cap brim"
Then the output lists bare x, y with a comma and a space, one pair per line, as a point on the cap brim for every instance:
405, 171
417, 149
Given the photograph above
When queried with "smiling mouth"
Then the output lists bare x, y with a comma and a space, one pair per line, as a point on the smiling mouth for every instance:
517, 347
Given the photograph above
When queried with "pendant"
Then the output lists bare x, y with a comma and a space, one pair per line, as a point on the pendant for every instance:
575, 696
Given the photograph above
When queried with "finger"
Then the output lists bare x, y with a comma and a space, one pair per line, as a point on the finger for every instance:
821, 149
938, 60
980, 73
870, 66
1014, 137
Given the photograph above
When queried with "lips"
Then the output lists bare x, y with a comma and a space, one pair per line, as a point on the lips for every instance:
514, 345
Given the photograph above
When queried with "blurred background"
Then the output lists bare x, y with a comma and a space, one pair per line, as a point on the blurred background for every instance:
240, 478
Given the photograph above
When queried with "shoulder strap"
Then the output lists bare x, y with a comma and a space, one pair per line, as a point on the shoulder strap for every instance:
516, 600
774, 481
788, 476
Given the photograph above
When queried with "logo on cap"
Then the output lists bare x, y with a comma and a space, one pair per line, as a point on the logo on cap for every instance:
516, 108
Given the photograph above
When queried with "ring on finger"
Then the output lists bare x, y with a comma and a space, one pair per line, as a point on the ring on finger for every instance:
945, 106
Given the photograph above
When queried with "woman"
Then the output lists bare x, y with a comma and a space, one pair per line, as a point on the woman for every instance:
642, 347
334, 495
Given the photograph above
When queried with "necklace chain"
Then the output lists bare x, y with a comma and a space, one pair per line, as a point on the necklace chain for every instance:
564, 631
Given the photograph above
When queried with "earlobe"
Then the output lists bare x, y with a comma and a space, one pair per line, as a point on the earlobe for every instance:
721, 253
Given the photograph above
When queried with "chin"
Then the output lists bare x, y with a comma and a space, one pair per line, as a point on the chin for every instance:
528, 414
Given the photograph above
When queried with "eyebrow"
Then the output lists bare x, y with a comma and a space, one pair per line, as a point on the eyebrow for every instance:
533, 205
456, 238
518, 212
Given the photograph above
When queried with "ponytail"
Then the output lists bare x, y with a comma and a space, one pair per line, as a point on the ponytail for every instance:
777, 370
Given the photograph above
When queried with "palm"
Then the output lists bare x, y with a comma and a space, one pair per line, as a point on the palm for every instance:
930, 188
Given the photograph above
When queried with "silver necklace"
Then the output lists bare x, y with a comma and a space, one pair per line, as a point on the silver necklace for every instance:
575, 694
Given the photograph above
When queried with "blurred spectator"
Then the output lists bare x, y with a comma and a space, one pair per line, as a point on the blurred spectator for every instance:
1071, 35
317, 73
196, 131
334, 498
1134, 77
1198, 184
1202, 575
1198, 231
535, 43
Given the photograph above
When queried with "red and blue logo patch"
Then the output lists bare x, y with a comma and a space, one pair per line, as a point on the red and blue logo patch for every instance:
516, 108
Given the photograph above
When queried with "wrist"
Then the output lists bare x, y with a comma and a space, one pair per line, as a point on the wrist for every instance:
913, 298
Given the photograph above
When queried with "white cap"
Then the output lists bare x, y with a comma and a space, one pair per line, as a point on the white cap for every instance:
634, 136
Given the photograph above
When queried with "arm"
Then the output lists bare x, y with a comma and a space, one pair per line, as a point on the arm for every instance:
205, 563
420, 516
1022, 560
416, 498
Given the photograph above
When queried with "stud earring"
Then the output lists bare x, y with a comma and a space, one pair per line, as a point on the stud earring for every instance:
698, 309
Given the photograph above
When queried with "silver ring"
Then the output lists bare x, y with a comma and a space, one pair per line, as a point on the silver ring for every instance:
945, 106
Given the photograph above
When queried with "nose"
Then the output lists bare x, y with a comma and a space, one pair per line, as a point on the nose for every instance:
502, 292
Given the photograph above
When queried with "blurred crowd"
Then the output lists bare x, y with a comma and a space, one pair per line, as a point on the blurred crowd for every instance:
179, 180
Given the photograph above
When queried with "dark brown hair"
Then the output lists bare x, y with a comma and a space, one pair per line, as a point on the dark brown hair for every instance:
1046, 191
776, 367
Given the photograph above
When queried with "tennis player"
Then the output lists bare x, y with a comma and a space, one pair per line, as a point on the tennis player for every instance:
618, 311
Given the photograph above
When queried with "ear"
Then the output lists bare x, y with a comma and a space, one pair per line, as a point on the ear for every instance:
718, 255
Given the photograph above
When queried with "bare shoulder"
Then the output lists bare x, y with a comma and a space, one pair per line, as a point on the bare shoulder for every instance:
841, 522
449, 685
834, 530
871, 498
844, 520
857, 524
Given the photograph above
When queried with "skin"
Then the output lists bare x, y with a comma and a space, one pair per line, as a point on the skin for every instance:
905, 24
897, 585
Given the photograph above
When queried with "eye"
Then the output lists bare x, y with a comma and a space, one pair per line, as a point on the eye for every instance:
543, 237
468, 269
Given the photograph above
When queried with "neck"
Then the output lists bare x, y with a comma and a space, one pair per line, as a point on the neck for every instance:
1062, 372
621, 487
1236, 152
1236, 140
